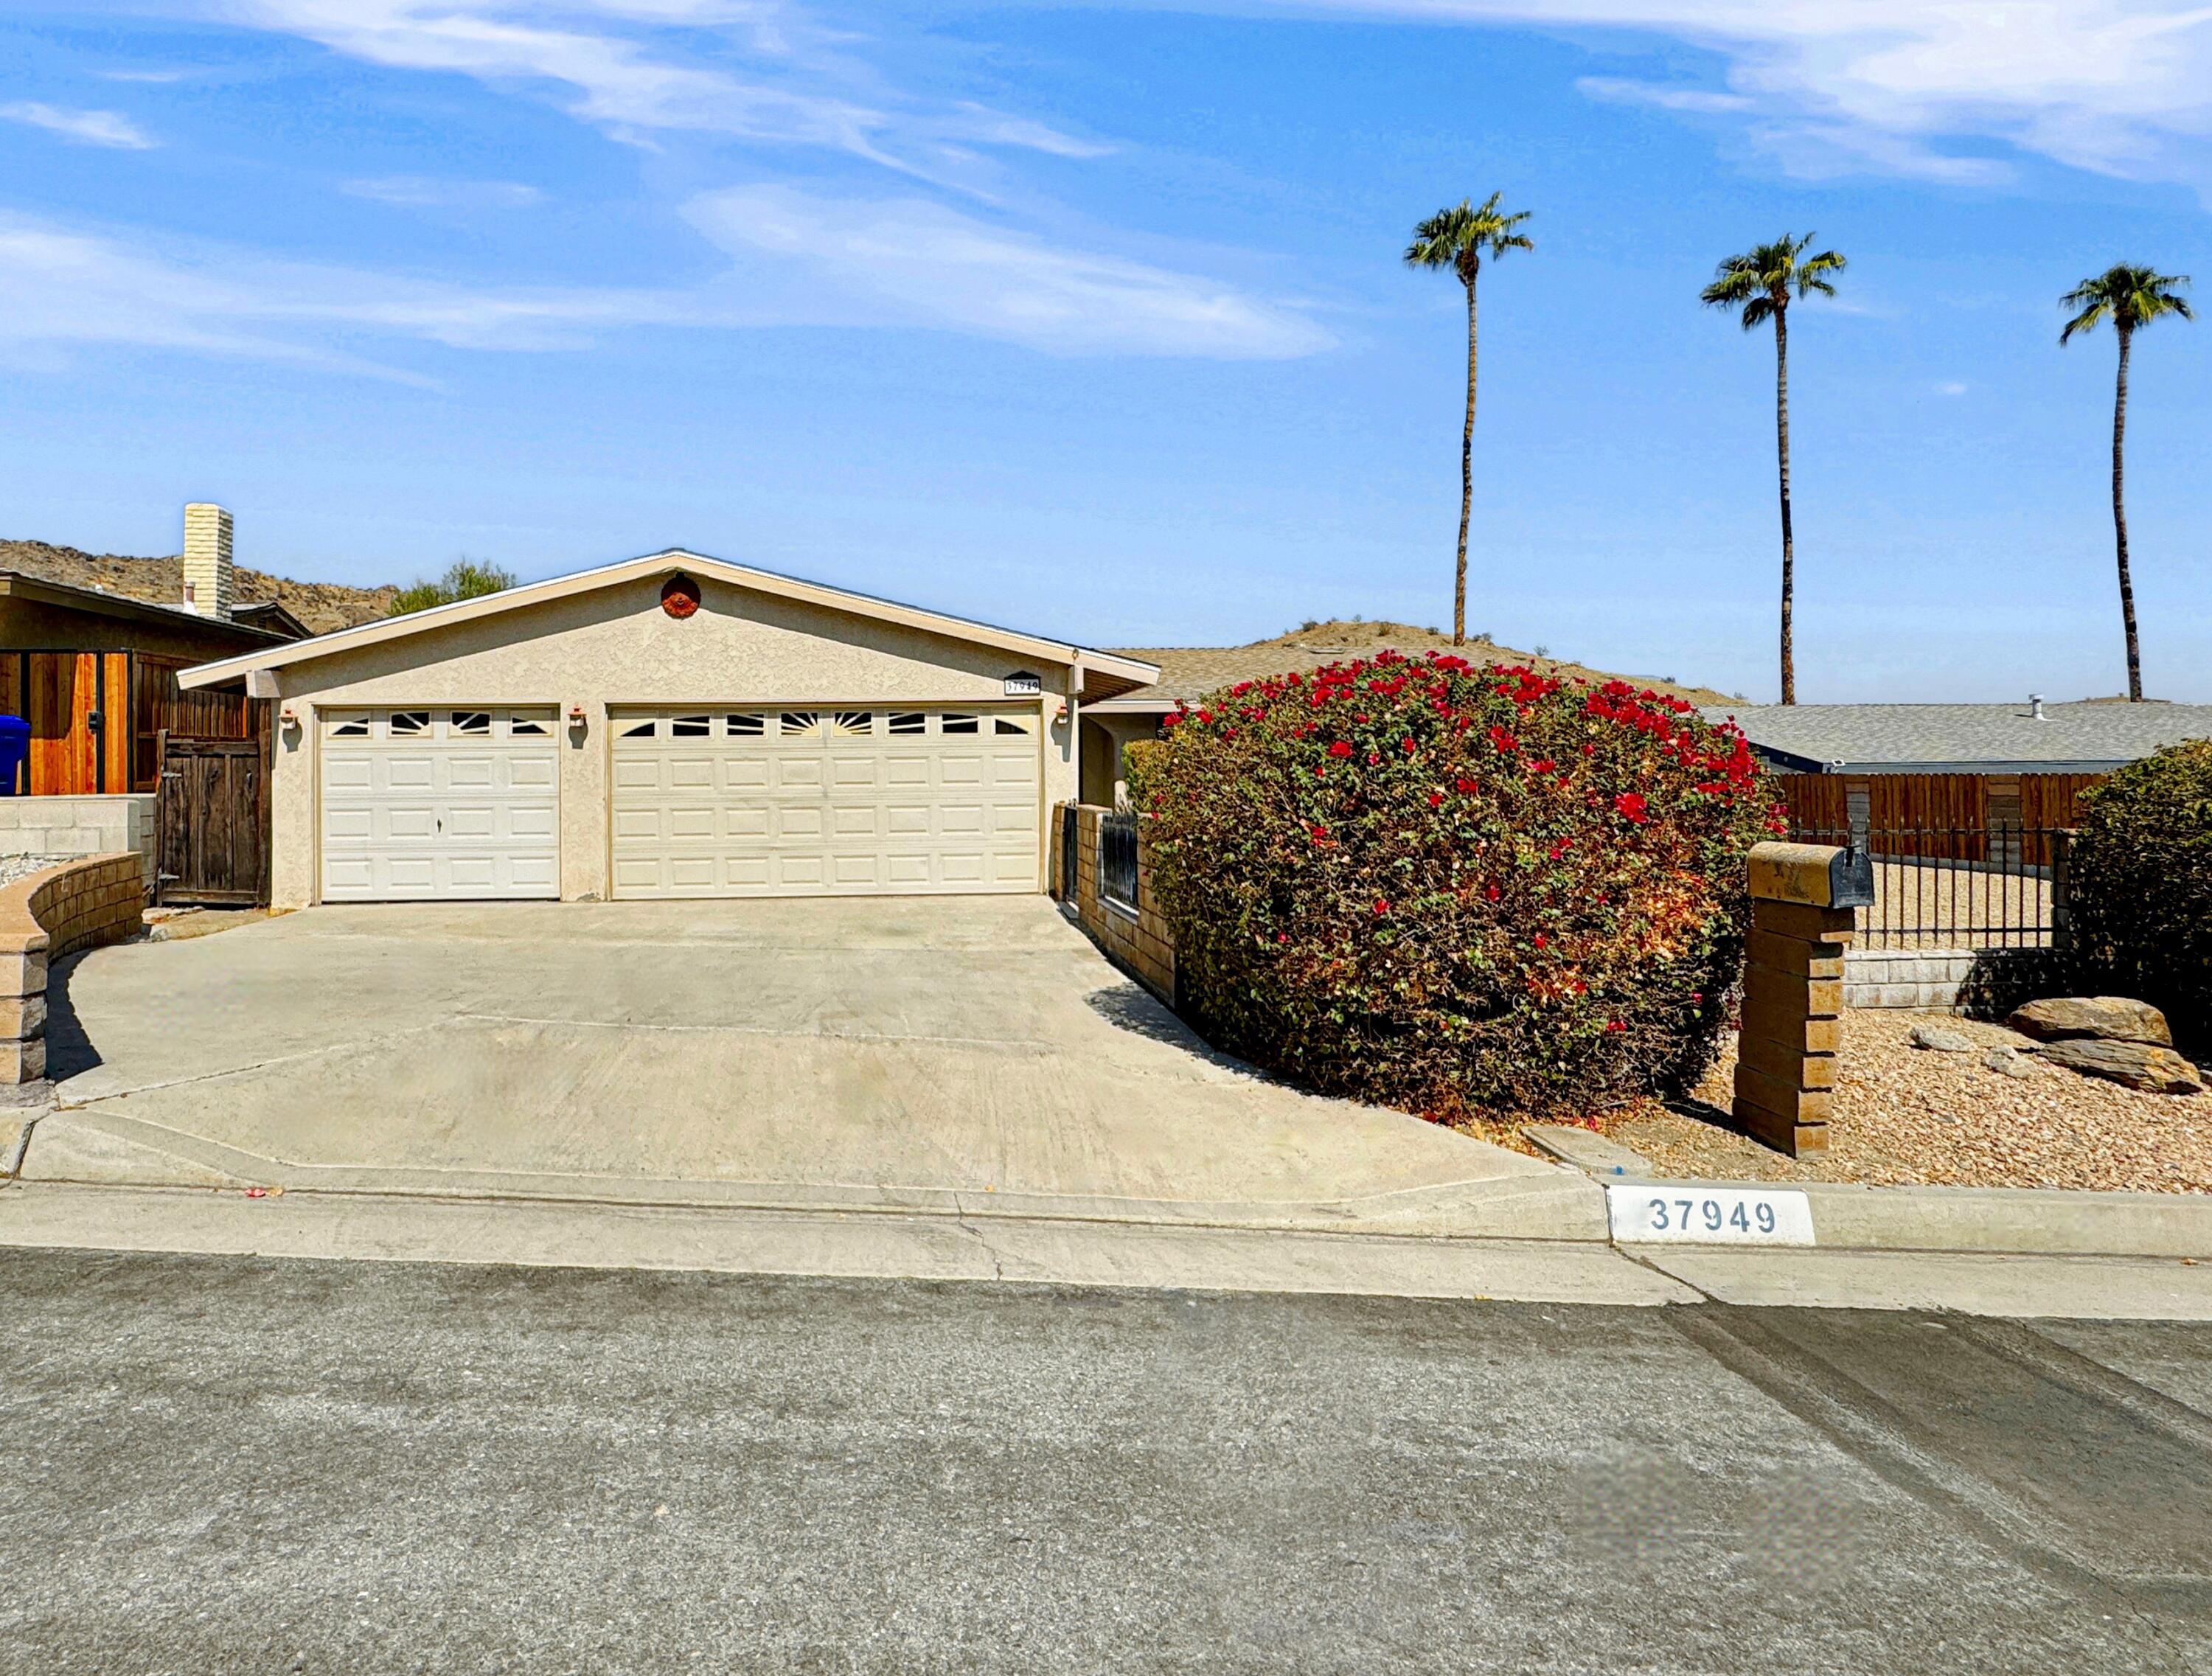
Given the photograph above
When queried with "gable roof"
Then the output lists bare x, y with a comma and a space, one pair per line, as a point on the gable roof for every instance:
1119, 672
1980, 738
14, 584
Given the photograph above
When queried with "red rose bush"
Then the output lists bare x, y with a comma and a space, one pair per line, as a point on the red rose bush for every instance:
1458, 890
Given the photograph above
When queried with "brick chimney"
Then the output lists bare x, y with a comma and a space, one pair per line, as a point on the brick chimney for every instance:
208, 578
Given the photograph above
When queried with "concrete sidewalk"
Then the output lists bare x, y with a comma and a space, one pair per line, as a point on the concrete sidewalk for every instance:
894, 1245
969, 1057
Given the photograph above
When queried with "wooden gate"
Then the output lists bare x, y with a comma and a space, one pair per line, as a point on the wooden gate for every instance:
212, 821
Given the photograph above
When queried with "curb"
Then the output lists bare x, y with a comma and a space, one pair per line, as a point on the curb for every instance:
80, 1146
2038, 1222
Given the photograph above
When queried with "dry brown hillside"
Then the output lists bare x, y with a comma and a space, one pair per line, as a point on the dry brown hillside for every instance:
1359, 639
322, 606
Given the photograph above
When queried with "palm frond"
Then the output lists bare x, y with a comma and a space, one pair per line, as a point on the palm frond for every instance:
2129, 295
1459, 236
1758, 281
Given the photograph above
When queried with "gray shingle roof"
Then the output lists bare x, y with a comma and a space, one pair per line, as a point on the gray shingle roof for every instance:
1966, 738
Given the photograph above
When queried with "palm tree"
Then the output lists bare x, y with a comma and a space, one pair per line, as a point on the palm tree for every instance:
2128, 297
1458, 238
1758, 283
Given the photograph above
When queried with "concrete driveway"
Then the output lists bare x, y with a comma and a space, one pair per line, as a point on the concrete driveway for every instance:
969, 1056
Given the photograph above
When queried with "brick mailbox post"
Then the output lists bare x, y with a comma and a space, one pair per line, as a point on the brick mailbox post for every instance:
1801, 898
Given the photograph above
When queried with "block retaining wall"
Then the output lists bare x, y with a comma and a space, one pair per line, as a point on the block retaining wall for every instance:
44, 919
1921, 980
77, 826
1136, 940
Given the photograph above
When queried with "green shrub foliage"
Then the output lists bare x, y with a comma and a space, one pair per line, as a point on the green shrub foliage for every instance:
1453, 889
2142, 885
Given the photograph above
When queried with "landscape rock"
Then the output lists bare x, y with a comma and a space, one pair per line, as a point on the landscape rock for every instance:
1939, 1040
2095, 1017
2009, 1061
2136, 1065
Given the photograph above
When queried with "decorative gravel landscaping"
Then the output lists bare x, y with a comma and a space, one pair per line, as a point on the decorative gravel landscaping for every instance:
1907, 1116
13, 867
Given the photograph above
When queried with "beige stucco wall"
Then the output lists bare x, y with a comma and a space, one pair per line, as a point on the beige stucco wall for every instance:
1103, 779
615, 646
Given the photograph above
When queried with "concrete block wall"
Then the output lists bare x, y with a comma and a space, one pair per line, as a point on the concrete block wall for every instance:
44, 919
1139, 942
77, 826
1919, 980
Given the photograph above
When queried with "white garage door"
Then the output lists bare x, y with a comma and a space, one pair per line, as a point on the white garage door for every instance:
805, 803
439, 805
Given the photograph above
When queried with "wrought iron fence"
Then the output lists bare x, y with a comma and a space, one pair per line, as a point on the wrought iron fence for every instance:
1117, 858
1993, 886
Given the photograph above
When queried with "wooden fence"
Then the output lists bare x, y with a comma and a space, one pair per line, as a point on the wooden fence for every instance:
70, 700
1950, 815
97, 717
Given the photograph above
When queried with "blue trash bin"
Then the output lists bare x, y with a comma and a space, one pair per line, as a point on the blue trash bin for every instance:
14, 755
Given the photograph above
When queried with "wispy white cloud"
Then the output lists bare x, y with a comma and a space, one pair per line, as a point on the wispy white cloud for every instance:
415, 191
759, 70
2120, 87
1615, 90
910, 262
796, 260
69, 286
103, 128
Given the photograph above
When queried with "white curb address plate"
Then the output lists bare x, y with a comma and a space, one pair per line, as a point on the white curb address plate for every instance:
1659, 1214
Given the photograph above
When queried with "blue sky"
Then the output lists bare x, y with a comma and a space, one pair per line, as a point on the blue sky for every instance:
1091, 318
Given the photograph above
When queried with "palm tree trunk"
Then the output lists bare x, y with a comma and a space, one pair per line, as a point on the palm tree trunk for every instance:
1466, 479
1788, 550
2120, 522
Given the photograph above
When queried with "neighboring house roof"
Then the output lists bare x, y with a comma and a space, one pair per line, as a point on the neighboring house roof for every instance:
37, 589
1188, 673
1117, 671
270, 614
1964, 738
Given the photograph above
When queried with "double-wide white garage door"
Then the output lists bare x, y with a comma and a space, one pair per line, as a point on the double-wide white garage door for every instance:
449, 805
797, 803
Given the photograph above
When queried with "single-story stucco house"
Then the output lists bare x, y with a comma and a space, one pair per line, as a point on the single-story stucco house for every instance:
670, 726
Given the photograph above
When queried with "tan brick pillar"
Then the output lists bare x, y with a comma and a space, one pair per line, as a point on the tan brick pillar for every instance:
1801, 898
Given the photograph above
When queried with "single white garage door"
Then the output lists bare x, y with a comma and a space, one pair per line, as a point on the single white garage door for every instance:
439, 805
807, 802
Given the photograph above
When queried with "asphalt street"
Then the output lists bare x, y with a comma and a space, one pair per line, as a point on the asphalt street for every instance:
225, 1463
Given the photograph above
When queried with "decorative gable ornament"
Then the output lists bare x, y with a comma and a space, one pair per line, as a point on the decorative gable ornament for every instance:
679, 596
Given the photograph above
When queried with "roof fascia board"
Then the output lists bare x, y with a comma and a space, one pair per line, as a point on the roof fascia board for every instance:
68, 596
611, 575
2063, 765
